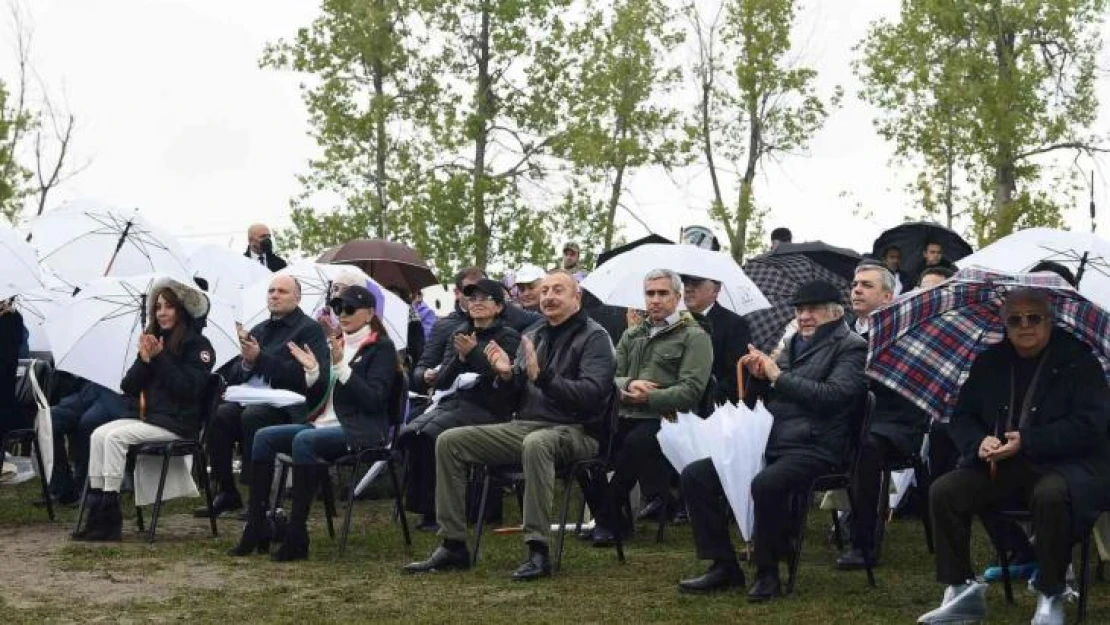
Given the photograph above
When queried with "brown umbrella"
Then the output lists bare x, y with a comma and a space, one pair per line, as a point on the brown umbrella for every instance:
391, 264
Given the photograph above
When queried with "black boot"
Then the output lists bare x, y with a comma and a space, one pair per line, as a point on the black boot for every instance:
110, 528
92, 513
258, 532
306, 481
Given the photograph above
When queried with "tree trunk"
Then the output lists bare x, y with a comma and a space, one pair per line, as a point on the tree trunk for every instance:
1002, 219
381, 146
484, 113
616, 190
745, 203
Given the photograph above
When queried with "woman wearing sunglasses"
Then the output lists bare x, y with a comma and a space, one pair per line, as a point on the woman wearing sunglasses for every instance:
363, 369
470, 400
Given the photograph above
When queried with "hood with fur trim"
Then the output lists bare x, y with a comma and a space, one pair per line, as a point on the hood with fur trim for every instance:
192, 299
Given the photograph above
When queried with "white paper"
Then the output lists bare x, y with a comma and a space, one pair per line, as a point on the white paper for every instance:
251, 395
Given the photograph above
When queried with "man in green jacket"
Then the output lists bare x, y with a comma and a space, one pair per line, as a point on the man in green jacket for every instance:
663, 366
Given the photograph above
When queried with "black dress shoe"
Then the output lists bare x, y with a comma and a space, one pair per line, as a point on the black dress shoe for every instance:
536, 566
853, 560
442, 559
221, 504
603, 537
720, 576
766, 587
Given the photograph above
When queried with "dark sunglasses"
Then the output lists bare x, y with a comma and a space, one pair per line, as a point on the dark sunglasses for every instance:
1031, 320
341, 309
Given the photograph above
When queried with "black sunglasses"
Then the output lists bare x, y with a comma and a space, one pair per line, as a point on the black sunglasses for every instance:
343, 309
1018, 321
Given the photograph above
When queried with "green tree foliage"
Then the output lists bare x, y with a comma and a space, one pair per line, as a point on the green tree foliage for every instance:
754, 105
14, 178
976, 93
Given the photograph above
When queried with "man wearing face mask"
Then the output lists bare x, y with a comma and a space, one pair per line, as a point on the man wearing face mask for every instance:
260, 248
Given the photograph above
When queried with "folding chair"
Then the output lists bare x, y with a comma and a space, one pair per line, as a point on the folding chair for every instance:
33, 382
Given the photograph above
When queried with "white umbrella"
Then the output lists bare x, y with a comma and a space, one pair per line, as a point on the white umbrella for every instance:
620, 281
226, 271
20, 269
84, 241
1086, 254
37, 306
738, 457
316, 280
96, 335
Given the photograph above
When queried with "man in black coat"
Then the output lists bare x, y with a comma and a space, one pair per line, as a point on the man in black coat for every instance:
260, 248
728, 330
265, 357
897, 426
11, 336
1030, 423
814, 391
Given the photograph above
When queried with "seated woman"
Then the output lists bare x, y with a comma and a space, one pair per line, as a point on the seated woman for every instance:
164, 386
475, 405
363, 368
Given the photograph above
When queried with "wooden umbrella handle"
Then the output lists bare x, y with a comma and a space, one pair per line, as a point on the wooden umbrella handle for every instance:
740, 380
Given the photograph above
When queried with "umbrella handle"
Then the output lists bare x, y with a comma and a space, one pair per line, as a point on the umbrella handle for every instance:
740, 381
994, 469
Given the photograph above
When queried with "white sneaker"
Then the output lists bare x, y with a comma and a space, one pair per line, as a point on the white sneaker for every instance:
1050, 610
965, 603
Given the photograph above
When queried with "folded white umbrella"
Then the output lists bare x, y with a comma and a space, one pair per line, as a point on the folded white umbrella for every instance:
226, 271
84, 241
620, 281
96, 335
738, 457
316, 280
1086, 254
20, 270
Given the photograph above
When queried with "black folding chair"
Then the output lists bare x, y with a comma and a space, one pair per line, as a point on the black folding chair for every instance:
28, 405
583, 472
209, 400
359, 460
923, 480
832, 481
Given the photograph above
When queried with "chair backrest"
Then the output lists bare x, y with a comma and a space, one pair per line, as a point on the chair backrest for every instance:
861, 432
210, 400
46, 356
610, 422
398, 405
24, 389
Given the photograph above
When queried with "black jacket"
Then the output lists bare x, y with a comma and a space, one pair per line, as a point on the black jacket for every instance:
731, 336
11, 336
363, 402
1069, 414
818, 395
476, 362
276, 364
519, 319
896, 418
273, 261
575, 384
172, 385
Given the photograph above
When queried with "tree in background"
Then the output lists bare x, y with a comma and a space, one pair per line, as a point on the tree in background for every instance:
976, 94
753, 105
13, 176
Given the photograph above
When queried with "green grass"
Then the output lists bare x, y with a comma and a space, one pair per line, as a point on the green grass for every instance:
185, 576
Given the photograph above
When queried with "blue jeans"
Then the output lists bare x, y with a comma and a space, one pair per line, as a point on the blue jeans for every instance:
307, 444
74, 419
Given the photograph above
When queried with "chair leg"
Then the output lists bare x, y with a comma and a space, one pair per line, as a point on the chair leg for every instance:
279, 492
329, 501
802, 515
568, 485
158, 497
664, 515
201, 462
345, 532
883, 512
838, 537
1004, 559
867, 557
397, 502
481, 517
1084, 579
921, 476
81, 510
42, 478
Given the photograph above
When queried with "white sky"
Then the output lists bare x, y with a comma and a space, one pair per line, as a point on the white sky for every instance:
176, 117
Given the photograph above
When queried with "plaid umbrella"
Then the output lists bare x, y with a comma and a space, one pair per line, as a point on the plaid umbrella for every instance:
923, 345
778, 276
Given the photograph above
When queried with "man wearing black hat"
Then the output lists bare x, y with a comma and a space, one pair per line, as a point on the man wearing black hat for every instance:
812, 390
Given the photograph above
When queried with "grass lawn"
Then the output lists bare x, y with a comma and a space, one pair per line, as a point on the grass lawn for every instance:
186, 576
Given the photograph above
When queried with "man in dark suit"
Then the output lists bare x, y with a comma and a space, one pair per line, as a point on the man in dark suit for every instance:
260, 248
728, 330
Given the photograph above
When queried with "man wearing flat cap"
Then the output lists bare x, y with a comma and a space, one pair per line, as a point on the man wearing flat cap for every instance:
572, 260
812, 390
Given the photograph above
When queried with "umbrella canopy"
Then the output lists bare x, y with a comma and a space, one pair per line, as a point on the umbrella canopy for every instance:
390, 264
20, 270
778, 276
923, 345
911, 239
610, 254
227, 272
837, 260
96, 334
86, 241
37, 306
316, 281
1087, 255
738, 457
619, 282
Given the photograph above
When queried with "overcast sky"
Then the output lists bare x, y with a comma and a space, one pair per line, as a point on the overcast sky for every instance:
176, 117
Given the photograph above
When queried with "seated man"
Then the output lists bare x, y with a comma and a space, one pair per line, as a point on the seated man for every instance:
1035, 408
663, 366
813, 391
266, 357
561, 385
897, 426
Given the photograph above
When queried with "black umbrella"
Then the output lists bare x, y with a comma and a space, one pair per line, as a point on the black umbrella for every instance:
912, 238
778, 276
838, 260
617, 251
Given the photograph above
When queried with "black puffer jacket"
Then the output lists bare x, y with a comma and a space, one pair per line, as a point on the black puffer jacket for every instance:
818, 394
172, 385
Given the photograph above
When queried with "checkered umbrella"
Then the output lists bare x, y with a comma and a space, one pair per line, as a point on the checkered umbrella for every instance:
923, 345
778, 276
